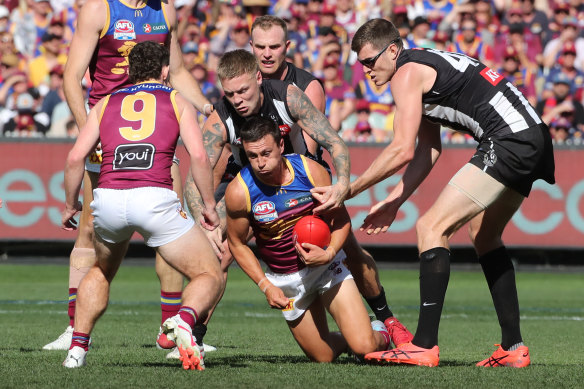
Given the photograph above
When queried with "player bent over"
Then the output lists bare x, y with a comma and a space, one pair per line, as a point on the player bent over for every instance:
433, 88
139, 128
304, 280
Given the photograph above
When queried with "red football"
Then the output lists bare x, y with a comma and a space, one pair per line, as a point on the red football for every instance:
312, 229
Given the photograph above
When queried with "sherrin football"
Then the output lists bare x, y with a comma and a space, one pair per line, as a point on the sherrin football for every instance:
312, 229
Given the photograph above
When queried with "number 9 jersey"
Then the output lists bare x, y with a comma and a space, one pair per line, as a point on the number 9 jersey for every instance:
139, 128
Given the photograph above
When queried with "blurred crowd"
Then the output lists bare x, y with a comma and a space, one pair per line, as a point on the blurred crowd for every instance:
536, 44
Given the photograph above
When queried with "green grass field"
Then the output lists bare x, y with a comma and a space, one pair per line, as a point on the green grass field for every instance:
256, 350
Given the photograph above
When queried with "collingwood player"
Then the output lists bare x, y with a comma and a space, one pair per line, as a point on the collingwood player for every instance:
433, 88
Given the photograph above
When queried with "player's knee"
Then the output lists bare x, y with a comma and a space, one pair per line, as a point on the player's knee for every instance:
322, 357
364, 345
426, 227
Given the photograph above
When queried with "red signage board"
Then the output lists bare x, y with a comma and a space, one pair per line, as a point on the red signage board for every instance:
31, 186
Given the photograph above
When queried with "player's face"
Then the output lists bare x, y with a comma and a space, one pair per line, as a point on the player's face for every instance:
265, 159
243, 93
269, 47
376, 63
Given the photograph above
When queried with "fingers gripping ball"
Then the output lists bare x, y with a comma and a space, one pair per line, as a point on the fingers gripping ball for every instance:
312, 229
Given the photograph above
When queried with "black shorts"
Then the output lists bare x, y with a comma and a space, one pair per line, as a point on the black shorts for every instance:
519, 159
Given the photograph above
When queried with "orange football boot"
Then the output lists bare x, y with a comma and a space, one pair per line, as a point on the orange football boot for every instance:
407, 353
502, 358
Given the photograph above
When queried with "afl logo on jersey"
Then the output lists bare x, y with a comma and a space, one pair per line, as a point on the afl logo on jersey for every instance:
124, 30
265, 211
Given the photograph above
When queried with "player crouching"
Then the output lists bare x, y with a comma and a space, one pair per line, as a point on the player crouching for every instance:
139, 128
270, 195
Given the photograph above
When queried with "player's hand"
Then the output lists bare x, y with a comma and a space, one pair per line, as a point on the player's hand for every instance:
67, 216
276, 297
209, 219
330, 197
216, 238
312, 255
380, 217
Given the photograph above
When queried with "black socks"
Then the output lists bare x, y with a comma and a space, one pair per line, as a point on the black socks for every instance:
199, 332
378, 305
434, 276
500, 275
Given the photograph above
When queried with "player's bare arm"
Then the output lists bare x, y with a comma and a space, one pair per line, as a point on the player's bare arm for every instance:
428, 149
180, 78
407, 86
90, 23
337, 218
237, 230
315, 124
75, 166
214, 138
201, 172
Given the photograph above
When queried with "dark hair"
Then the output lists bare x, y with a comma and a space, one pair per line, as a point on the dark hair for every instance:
237, 63
265, 22
378, 33
257, 127
147, 60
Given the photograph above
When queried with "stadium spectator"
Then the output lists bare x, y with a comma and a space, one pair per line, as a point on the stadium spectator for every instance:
377, 100
255, 8
434, 11
4, 18
518, 74
28, 24
419, 35
570, 33
233, 34
340, 96
441, 40
522, 40
107, 59
566, 66
471, 44
483, 192
55, 95
487, 21
563, 133
562, 104
25, 121
155, 211
535, 20
49, 57
561, 11
303, 279
347, 17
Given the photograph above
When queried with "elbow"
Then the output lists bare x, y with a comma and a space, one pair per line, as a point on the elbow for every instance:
405, 156
200, 158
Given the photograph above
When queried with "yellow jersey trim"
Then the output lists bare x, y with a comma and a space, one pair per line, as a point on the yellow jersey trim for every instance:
246, 189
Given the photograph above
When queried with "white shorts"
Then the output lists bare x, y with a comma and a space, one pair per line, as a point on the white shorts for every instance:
303, 286
153, 212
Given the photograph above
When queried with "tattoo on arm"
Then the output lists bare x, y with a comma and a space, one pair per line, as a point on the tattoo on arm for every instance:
193, 198
222, 212
213, 140
315, 124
